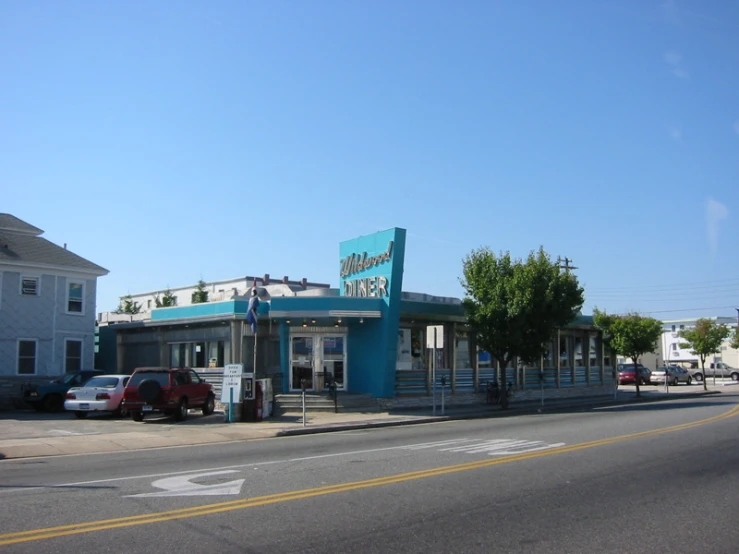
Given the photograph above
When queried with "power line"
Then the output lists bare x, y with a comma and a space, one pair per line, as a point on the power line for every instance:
685, 286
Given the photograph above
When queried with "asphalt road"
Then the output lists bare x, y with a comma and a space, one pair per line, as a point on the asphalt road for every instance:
655, 477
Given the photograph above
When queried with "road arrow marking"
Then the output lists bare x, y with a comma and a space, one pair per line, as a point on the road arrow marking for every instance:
182, 485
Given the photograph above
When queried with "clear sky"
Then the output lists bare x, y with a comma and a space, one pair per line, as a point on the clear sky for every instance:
171, 141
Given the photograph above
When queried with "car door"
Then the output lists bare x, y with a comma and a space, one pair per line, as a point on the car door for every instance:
199, 387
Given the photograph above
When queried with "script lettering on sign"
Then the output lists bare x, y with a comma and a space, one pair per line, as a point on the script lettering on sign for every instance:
359, 262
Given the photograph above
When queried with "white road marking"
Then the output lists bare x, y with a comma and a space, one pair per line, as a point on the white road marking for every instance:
182, 485
63, 432
419, 446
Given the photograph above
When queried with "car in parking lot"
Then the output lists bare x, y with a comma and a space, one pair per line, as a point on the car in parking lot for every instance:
102, 393
674, 375
627, 374
49, 397
171, 391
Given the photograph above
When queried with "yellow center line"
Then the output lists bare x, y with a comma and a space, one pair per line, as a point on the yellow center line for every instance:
240, 504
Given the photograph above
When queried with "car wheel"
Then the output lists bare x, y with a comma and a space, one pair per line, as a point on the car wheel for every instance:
120, 411
210, 405
53, 403
698, 377
689, 381
181, 413
149, 390
735, 376
80, 415
137, 416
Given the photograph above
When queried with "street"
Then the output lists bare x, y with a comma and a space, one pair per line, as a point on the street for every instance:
656, 477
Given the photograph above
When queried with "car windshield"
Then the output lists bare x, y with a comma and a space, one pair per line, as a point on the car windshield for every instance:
103, 382
159, 376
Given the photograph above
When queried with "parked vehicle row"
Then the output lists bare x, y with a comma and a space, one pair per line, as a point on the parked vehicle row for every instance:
673, 375
170, 391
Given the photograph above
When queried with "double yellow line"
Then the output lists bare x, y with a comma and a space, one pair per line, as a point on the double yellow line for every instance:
156, 517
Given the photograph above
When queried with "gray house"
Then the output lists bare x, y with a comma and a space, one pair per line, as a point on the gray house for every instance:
47, 307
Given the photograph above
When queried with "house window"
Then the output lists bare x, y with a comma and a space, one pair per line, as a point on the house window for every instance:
74, 298
29, 286
26, 357
673, 328
578, 352
72, 355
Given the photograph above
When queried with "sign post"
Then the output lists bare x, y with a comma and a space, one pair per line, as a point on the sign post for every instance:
231, 388
434, 340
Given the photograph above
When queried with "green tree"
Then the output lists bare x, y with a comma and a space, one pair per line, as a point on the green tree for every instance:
201, 294
514, 306
735, 340
703, 340
167, 300
128, 306
630, 335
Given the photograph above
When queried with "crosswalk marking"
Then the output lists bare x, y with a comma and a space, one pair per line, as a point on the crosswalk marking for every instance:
492, 447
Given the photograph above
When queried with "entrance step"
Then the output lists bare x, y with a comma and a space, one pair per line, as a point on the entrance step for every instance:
323, 402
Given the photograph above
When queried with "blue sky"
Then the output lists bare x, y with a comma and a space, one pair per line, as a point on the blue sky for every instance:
171, 141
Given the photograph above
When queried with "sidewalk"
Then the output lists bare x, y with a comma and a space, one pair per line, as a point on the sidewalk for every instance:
212, 430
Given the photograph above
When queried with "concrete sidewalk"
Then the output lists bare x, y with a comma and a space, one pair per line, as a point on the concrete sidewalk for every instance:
129, 436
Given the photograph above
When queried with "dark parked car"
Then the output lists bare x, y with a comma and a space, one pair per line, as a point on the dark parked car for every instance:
50, 396
172, 391
627, 374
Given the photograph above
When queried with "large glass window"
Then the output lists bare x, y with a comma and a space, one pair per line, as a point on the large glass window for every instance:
579, 360
462, 353
72, 355
27, 357
74, 298
594, 350
565, 360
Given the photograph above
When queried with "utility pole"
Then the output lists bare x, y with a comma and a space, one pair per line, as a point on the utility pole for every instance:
565, 264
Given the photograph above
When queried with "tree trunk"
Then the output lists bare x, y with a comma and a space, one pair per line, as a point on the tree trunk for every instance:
637, 377
703, 371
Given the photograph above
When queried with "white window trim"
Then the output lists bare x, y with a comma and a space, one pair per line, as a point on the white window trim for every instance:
37, 278
18, 356
66, 301
82, 351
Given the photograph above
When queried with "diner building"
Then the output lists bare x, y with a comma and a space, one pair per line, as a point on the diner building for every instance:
367, 337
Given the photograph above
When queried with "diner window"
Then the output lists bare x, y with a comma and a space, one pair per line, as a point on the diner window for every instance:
72, 355
594, 349
579, 361
74, 298
564, 353
27, 356
548, 357
29, 286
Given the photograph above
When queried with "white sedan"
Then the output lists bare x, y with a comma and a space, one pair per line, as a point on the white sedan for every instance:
100, 394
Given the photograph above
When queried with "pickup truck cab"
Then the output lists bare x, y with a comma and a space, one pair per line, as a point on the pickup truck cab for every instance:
49, 396
716, 369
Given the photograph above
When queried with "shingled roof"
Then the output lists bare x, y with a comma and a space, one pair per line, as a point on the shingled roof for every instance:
20, 244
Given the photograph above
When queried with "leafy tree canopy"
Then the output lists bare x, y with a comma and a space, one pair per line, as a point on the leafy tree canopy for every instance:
128, 306
704, 339
168, 299
630, 335
735, 340
201, 293
514, 306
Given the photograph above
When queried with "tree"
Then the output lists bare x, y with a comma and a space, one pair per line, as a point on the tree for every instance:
703, 340
630, 335
128, 306
514, 306
201, 294
167, 300
735, 340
